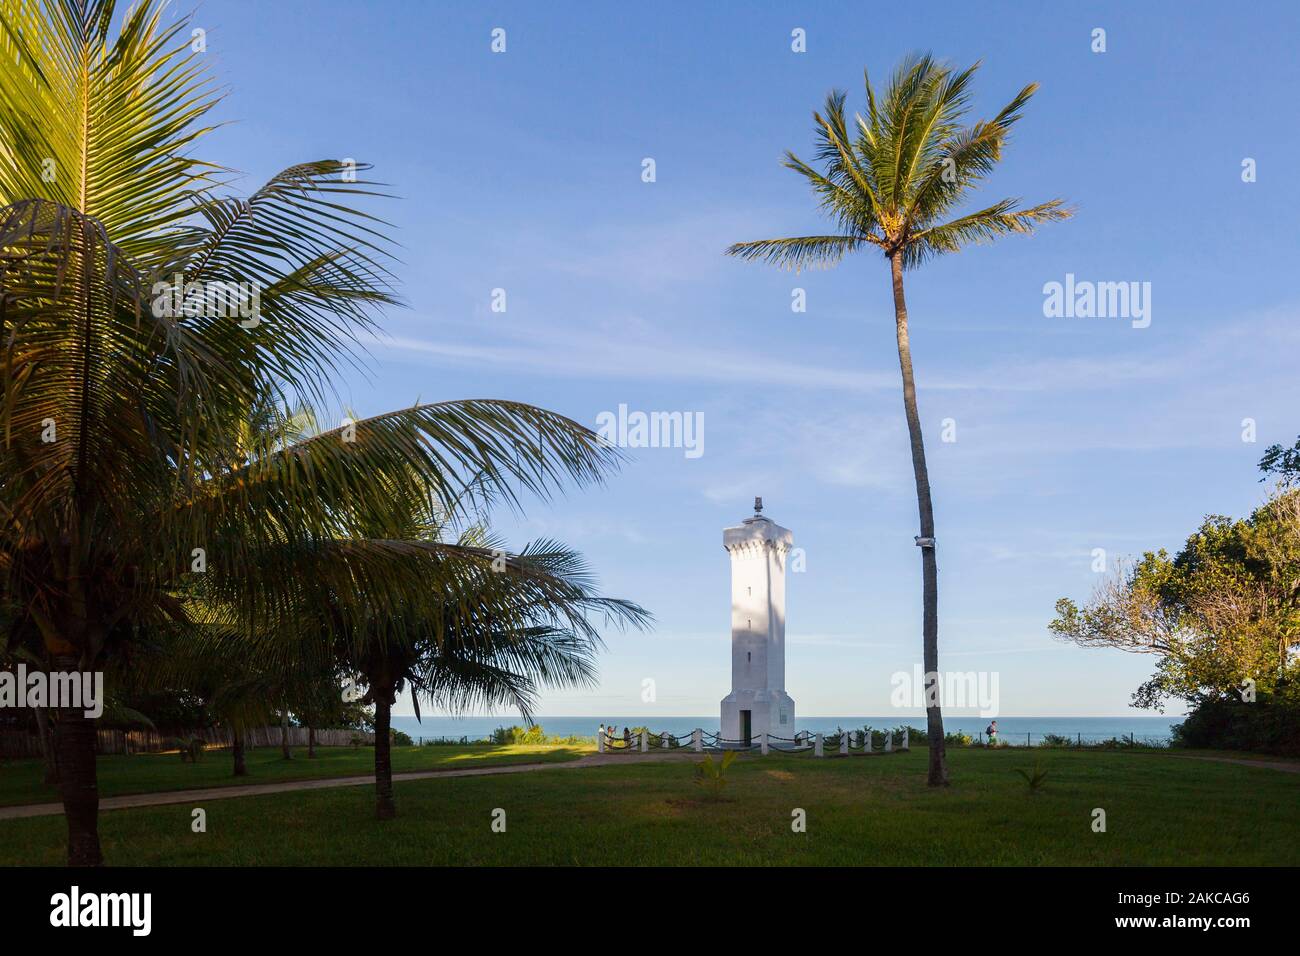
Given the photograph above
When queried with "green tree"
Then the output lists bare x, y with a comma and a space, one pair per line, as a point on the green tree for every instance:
121, 416
1281, 463
1225, 610
893, 184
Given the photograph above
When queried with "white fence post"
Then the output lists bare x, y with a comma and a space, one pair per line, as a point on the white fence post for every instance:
762, 743
889, 741
697, 739
663, 740
905, 746
645, 741
844, 741
600, 741
817, 746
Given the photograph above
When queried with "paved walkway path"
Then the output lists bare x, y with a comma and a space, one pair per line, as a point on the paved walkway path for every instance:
287, 786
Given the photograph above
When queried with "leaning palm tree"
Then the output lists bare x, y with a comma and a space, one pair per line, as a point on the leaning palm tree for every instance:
121, 478
891, 184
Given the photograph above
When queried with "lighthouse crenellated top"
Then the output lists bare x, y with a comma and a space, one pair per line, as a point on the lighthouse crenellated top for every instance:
757, 534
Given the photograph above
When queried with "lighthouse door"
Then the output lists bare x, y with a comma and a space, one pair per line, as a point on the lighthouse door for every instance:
746, 733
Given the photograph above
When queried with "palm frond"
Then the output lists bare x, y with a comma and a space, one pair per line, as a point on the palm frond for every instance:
961, 160
797, 254
318, 263
986, 225
104, 125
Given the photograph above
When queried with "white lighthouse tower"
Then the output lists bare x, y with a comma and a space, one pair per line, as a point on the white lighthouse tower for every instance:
758, 702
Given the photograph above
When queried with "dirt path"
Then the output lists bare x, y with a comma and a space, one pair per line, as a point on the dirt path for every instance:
257, 789
1283, 765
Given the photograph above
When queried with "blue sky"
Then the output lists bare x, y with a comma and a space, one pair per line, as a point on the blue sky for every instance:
522, 171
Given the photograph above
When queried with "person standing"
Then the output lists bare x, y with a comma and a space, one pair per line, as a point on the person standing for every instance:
992, 731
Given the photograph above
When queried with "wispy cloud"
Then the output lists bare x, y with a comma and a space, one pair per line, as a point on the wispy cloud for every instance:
635, 352
636, 360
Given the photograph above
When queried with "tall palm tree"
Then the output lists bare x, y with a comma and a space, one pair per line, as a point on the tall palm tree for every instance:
120, 420
891, 184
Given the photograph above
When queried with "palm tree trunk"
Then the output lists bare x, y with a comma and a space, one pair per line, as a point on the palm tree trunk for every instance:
385, 809
311, 742
74, 740
938, 775
284, 734
237, 749
49, 753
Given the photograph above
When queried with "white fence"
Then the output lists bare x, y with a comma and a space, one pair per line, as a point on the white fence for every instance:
848, 743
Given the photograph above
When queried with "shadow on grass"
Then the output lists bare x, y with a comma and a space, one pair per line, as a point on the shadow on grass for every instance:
160, 772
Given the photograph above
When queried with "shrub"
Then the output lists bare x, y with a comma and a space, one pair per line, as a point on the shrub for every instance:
1269, 724
916, 736
1056, 740
656, 742
398, 738
877, 737
533, 734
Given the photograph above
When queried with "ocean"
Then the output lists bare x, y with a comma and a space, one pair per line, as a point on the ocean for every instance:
1019, 730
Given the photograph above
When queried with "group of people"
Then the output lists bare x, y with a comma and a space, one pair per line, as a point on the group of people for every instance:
610, 735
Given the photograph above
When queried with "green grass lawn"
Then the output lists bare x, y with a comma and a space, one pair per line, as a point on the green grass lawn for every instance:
1160, 811
20, 780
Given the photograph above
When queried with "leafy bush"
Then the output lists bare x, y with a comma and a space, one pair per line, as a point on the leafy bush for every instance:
957, 738
533, 734
1269, 724
398, 738
517, 735
916, 736
656, 742
1056, 740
